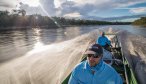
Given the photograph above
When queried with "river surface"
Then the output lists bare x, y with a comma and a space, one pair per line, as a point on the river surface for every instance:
47, 56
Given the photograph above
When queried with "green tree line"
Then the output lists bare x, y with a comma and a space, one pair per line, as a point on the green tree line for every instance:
20, 19
141, 21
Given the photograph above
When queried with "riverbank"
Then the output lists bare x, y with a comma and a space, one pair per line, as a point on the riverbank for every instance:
48, 26
29, 27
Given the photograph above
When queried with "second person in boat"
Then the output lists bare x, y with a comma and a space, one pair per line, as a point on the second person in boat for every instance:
103, 41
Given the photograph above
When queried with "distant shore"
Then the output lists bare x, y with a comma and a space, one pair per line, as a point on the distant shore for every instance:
45, 26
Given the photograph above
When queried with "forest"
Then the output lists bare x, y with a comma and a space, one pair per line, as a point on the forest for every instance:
19, 19
140, 22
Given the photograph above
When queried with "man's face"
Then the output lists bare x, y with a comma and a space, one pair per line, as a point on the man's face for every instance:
93, 61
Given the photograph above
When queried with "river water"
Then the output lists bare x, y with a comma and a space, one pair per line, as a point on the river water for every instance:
47, 56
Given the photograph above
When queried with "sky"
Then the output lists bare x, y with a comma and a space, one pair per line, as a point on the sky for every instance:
108, 10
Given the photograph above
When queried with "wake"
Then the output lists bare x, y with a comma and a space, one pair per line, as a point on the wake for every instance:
51, 64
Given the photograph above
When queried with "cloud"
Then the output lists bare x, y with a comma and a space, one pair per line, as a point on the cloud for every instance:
32, 3
123, 17
74, 15
76, 8
84, 9
32, 10
46, 7
138, 10
88, 7
123, 3
7, 5
119, 18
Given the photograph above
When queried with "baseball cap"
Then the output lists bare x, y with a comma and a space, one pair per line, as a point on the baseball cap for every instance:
95, 49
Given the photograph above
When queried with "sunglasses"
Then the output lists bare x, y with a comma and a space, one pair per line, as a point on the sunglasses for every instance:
93, 55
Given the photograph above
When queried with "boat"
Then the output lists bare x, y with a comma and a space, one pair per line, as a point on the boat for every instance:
120, 63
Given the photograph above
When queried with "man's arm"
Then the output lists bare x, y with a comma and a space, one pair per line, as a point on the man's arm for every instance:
119, 80
108, 41
72, 80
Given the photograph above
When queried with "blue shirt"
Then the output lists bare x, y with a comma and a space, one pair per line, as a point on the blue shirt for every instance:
103, 40
103, 74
